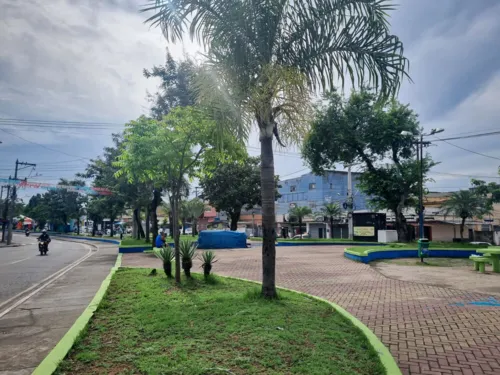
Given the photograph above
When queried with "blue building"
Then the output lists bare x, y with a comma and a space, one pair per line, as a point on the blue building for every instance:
315, 191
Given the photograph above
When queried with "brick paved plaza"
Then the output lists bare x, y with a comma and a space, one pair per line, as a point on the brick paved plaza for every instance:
428, 329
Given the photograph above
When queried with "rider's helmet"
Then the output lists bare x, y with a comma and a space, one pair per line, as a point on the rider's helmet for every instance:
44, 231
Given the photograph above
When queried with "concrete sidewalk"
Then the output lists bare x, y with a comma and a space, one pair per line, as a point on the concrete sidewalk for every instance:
30, 331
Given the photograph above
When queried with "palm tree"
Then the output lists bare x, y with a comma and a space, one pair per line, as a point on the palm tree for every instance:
299, 213
331, 210
195, 208
264, 58
466, 204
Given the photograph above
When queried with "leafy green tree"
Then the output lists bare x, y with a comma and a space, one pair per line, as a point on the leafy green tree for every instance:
181, 140
232, 186
264, 59
176, 86
466, 204
361, 131
332, 211
103, 174
298, 213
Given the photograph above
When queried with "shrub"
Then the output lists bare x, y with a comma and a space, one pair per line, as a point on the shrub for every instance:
166, 254
208, 258
187, 250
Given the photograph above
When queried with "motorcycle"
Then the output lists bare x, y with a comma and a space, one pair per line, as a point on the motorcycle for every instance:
43, 247
27, 233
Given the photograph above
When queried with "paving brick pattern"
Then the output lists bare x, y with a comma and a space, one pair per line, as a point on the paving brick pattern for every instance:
428, 329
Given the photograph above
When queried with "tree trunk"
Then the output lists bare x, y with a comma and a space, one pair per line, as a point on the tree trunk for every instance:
154, 209
300, 227
183, 226
331, 227
268, 217
171, 222
137, 220
462, 226
94, 228
148, 212
401, 227
78, 227
235, 217
175, 225
135, 227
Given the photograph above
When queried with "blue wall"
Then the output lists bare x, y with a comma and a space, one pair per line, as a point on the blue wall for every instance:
332, 186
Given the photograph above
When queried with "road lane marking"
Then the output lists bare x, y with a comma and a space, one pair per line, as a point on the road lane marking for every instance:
17, 261
42, 284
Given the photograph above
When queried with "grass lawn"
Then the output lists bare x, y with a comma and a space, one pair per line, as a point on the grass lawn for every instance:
129, 241
414, 246
431, 262
147, 325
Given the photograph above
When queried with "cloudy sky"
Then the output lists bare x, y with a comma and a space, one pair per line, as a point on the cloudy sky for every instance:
82, 61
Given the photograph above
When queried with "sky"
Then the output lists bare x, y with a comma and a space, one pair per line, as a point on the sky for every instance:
82, 61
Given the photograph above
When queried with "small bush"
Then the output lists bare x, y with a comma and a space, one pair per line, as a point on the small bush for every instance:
187, 250
208, 258
166, 254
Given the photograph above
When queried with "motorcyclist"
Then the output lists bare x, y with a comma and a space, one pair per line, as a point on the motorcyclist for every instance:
45, 237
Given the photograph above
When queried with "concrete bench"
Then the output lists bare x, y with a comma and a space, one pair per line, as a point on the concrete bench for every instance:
480, 262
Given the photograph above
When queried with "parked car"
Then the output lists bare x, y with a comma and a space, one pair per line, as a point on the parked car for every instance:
301, 236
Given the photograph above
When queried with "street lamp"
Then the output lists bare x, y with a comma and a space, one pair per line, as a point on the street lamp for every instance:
419, 142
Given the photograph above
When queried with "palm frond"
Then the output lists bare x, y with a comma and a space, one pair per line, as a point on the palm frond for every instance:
334, 39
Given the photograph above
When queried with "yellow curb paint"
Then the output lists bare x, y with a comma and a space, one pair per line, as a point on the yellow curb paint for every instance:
52, 360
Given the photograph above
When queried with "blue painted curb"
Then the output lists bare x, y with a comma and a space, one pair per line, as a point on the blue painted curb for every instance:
387, 254
321, 243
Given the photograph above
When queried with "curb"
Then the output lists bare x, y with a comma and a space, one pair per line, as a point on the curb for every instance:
374, 254
385, 356
59, 352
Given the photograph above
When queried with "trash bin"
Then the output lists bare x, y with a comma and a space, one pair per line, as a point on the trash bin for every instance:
423, 248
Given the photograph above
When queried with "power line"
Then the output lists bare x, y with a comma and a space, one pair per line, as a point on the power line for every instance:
59, 122
468, 136
465, 149
462, 175
48, 148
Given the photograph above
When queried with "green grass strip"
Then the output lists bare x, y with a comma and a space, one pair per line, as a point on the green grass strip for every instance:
385, 356
56, 355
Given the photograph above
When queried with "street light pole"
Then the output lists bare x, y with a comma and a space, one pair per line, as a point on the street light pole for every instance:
420, 161
421, 187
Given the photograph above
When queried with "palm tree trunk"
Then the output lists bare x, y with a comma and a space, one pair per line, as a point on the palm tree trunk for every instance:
268, 218
331, 227
175, 226
183, 226
462, 226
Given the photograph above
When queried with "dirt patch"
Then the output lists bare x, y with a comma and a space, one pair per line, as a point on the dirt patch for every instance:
444, 272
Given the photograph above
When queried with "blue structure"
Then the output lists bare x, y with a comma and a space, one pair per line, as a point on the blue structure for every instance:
221, 239
314, 191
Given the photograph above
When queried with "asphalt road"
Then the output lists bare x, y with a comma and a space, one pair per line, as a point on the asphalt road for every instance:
22, 267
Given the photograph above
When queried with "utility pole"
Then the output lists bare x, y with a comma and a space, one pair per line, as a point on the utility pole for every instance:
5, 211
196, 191
350, 203
14, 197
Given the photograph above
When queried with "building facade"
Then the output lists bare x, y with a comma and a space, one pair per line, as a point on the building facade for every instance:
315, 191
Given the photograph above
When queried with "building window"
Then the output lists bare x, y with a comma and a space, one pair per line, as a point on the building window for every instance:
312, 186
292, 188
